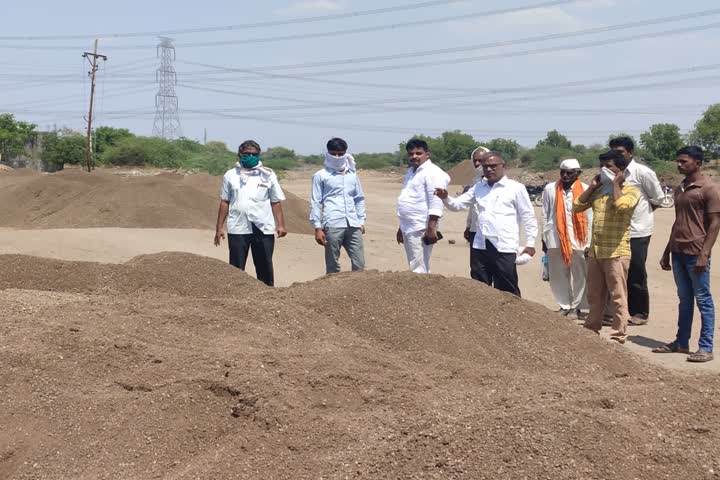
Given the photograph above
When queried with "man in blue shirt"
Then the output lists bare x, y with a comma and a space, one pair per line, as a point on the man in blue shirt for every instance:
337, 208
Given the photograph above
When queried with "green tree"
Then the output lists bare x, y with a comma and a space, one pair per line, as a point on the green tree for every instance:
108, 136
707, 131
60, 149
661, 141
507, 147
14, 135
555, 139
449, 148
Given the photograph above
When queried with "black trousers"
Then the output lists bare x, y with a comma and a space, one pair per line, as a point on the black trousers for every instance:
638, 293
262, 247
495, 268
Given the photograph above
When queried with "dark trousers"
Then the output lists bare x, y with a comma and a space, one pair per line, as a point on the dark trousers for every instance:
495, 268
638, 293
262, 247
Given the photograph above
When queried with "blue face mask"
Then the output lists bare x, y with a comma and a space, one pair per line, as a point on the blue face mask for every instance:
249, 161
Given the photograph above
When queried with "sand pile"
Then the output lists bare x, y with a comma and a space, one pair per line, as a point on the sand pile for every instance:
75, 199
365, 375
462, 174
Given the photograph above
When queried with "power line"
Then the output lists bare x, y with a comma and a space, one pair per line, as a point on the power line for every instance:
246, 26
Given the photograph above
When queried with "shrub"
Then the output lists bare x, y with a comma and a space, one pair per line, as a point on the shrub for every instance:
156, 152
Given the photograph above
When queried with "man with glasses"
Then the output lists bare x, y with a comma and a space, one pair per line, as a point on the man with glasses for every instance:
250, 205
503, 206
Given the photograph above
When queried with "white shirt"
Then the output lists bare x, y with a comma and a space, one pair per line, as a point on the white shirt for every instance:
501, 209
550, 233
417, 200
651, 192
250, 194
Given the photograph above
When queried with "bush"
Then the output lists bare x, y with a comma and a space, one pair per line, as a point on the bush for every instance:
156, 152
58, 150
280, 163
377, 161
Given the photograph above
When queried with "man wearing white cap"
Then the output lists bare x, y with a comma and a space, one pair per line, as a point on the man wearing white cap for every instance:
566, 237
471, 224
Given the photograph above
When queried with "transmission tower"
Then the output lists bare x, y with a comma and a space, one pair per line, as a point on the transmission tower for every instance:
167, 119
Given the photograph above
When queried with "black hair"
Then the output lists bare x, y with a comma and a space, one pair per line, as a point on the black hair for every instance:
625, 142
248, 143
616, 157
495, 154
417, 143
692, 151
337, 145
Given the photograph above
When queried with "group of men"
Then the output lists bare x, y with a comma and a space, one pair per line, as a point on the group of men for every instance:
595, 236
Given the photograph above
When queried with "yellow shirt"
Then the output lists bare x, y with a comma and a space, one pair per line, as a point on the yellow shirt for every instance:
611, 221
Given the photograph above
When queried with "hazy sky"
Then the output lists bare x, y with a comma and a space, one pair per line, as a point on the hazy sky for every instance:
587, 68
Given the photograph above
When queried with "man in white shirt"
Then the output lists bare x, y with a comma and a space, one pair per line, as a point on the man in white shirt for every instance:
250, 205
566, 237
502, 206
418, 209
641, 228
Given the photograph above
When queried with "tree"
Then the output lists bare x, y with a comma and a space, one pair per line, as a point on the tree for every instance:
507, 147
555, 139
707, 131
449, 148
108, 136
661, 141
276, 153
60, 149
14, 135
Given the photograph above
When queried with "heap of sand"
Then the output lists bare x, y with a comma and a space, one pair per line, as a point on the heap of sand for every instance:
463, 173
178, 366
76, 199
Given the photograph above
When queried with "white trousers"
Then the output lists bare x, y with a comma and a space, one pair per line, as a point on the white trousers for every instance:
418, 254
568, 284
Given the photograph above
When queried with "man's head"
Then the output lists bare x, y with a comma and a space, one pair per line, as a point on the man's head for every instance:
613, 160
569, 172
249, 147
624, 145
689, 159
418, 152
337, 147
493, 166
476, 156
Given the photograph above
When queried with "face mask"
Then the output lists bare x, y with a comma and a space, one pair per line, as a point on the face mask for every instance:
606, 175
249, 161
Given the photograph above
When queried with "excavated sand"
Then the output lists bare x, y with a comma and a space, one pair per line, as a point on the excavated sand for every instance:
178, 366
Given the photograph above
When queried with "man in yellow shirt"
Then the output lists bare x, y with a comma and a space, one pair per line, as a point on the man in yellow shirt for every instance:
613, 202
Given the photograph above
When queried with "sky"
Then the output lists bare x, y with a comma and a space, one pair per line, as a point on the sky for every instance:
295, 73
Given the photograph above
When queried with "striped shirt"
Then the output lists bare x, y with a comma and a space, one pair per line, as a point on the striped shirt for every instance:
611, 221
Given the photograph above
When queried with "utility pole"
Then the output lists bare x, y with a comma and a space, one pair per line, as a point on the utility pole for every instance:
167, 118
93, 59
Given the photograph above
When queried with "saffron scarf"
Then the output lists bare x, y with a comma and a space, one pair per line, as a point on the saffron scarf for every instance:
579, 221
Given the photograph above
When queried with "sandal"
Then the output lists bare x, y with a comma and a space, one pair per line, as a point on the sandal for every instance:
637, 321
700, 356
671, 347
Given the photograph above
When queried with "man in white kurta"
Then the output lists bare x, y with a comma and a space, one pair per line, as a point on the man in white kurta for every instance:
568, 272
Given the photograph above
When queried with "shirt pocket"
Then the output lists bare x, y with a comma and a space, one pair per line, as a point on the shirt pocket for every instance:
262, 193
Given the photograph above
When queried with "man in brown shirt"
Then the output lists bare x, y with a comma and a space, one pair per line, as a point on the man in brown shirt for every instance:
696, 227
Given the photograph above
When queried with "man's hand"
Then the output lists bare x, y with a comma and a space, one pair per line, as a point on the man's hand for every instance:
587, 253
281, 232
596, 182
320, 237
619, 178
441, 193
431, 236
219, 236
701, 263
398, 236
362, 229
665, 262
529, 250
466, 234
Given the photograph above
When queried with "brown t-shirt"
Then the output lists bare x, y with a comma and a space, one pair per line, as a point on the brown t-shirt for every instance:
693, 205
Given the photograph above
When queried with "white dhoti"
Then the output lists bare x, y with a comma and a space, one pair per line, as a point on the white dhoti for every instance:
568, 284
418, 254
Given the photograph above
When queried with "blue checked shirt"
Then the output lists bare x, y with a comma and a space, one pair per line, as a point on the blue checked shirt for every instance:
337, 200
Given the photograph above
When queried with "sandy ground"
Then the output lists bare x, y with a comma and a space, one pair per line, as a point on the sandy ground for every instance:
298, 258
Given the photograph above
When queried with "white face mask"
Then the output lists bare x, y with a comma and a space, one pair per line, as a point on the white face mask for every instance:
606, 175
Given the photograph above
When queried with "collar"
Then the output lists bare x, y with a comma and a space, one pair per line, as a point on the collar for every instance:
697, 183
428, 161
503, 181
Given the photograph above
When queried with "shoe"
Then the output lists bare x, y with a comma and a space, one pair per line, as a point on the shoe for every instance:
638, 320
607, 321
581, 315
618, 338
671, 347
563, 311
700, 356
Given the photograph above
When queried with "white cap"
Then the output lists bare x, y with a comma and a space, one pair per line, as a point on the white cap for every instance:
570, 164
